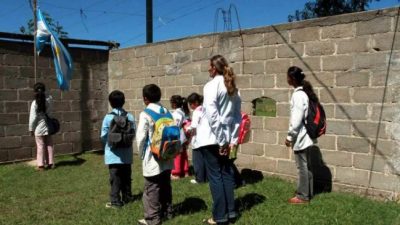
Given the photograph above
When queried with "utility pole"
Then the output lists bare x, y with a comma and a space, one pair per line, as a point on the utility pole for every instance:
34, 38
149, 21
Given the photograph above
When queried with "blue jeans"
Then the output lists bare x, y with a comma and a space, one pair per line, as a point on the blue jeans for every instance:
220, 175
199, 165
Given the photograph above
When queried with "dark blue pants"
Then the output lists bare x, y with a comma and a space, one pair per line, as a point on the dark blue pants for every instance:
120, 181
220, 175
199, 165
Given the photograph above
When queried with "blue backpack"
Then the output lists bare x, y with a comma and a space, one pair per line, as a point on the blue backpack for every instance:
165, 143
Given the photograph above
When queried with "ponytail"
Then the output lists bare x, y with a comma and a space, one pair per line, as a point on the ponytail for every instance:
308, 89
180, 103
222, 67
40, 97
185, 106
195, 98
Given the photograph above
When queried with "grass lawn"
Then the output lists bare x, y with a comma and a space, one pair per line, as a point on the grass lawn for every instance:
77, 190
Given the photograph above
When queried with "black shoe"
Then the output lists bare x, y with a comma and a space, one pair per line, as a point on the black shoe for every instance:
128, 199
111, 205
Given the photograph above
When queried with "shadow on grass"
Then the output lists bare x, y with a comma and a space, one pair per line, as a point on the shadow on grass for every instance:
190, 205
137, 197
251, 176
76, 161
248, 201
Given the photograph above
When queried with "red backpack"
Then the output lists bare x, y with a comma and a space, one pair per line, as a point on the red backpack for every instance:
244, 128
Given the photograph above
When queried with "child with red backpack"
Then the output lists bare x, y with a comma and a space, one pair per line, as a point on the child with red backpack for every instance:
158, 141
307, 122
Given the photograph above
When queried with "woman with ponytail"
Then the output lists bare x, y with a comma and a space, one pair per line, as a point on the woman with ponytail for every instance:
38, 128
297, 137
180, 114
222, 109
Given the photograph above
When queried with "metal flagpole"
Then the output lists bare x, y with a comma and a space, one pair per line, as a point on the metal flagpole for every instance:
34, 39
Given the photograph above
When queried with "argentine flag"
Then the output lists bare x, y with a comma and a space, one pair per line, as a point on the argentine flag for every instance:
62, 59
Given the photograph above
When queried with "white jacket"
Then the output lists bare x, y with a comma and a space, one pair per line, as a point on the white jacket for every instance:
203, 136
222, 111
151, 167
297, 133
179, 117
36, 120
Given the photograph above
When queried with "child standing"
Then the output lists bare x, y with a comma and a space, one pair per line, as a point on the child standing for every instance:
38, 128
180, 114
118, 157
157, 193
297, 137
201, 137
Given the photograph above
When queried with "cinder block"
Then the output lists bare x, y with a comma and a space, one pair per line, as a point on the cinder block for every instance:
165, 59
245, 161
388, 113
7, 71
279, 95
319, 48
264, 164
253, 68
71, 116
169, 91
371, 95
249, 95
263, 136
20, 153
63, 148
377, 25
243, 82
10, 142
16, 60
327, 142
277, 66
277, 151
353, 144
335, 95
201, 78
276, 37
371, 61
283, 109
352, 176
338, 31
351, 112
16, 83
257, 122
352, 79
252, 149
12, 107
353, 45
174, 46
16, 130
290, 50
370, 129
201, 54
276, 124
385, 182
253, 40
305, 34
191, 43
337, 63
263, 53
338, 127
10, 95
262, 81
321, 79
337, 158
286, 167
184, 80
369, 162
151, 61
383, 42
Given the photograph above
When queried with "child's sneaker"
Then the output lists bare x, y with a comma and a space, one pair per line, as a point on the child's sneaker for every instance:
193, 181
142, 222
110, 205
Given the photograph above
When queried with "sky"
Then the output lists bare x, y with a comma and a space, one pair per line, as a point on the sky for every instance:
123, 21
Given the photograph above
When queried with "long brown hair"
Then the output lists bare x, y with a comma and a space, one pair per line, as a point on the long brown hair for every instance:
222, 67
40, 97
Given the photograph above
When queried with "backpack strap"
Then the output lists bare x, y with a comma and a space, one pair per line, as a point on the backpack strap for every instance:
124, 113
156, 116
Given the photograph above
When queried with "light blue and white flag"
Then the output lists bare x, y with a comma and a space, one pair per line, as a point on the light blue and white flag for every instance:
62, 58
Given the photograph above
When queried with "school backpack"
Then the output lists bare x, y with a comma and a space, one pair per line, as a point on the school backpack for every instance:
244, 128
165, 142
315, 122
121, 133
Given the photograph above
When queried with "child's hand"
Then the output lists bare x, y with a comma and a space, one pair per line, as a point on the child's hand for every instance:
288, 143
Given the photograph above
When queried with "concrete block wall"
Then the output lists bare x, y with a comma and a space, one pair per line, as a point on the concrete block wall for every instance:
79, 110
345, 57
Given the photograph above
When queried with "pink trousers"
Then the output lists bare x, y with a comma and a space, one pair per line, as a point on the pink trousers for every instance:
44, 151
181, 164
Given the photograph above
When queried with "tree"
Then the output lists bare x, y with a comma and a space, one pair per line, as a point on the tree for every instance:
321, 8
53, 26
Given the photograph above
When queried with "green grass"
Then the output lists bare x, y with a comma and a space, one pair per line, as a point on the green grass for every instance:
77, 190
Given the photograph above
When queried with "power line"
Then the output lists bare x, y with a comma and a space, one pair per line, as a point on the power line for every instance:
174, 19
